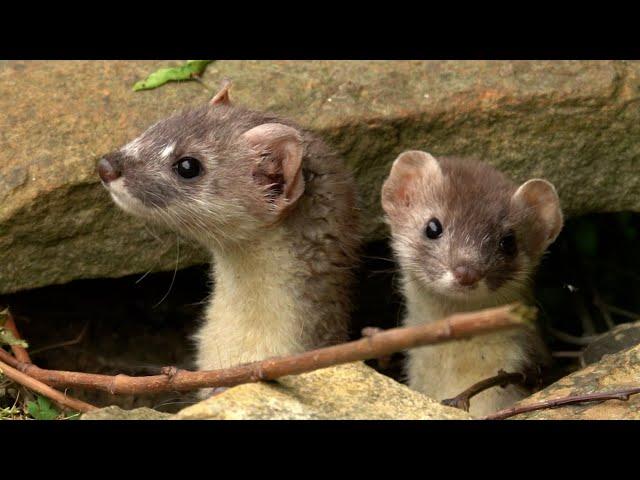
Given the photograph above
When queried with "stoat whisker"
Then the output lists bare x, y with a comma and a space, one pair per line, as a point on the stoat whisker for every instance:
175, 271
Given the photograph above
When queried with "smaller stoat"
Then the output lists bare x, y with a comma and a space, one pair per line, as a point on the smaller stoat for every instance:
274, 205
467, 238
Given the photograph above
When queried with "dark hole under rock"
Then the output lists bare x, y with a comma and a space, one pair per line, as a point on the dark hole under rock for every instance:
594, 265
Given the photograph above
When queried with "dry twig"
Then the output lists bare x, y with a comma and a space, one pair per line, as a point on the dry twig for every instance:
620, 311
502, 379
19, 351
67, 343
572, 339
43, 389
23, 358
458, 326
622, 394
383, 362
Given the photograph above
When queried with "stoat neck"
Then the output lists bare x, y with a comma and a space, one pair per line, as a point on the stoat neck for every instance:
253, 313
447, 369
258, 278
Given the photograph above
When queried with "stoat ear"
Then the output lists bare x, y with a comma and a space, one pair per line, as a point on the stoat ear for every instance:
411, 172
538, 200
222, 97
278, 163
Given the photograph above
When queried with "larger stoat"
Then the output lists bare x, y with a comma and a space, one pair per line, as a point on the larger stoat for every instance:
467, 238
276, 208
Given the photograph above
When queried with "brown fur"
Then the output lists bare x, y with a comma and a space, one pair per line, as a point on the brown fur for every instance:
282, 265
477, 207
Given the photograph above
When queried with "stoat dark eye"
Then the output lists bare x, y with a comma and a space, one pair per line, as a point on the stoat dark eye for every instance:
508, 244
433, 229
187, 167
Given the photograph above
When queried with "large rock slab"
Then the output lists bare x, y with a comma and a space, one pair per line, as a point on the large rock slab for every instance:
612, 372
574, 122
345, 392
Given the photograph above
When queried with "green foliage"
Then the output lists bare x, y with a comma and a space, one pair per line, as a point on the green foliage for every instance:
591, 234
192, 68
586, 238
9, 412
6, 337
628, 226
42, 409
591, 275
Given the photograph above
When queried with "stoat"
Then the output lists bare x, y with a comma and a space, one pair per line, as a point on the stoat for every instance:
467, 238
275, 207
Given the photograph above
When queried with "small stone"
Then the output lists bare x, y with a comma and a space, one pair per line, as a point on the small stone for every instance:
345, 392
117, 413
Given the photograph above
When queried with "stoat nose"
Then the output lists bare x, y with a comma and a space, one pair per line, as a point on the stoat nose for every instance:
466, 275
108, 171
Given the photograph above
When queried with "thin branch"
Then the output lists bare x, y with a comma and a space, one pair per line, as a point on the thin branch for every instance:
588, 327
43, 389
566, 354
568, 338
621, 311
67, 343
623, 394
385, 361
461, 325
502, 379
602, 307
20, 352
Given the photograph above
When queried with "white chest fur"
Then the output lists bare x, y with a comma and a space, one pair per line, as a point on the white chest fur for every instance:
253, 313
443, 371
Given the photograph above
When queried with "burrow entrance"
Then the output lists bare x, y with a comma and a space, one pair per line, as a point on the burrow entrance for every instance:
588, 282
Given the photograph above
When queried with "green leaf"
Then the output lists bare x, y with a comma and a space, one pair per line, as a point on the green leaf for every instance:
629, 229
7, 338
192, 68
198, 66
42, 409
586, 237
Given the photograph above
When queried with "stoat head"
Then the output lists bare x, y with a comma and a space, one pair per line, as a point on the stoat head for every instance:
463, 231
217, 173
